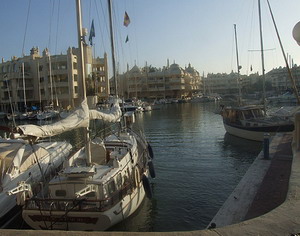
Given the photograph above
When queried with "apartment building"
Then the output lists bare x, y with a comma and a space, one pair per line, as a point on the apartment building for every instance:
280, 79
44, 80
155, 83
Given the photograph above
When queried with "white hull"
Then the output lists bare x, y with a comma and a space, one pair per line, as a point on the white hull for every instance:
58, 152
94, 197
246, 134
87, 220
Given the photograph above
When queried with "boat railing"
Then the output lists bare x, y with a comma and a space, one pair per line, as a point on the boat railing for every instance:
80, 204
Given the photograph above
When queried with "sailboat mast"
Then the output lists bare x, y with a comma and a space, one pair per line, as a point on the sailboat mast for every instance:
82, 75
112, 46
24, 92
285, 58
238, 66
38, 73
262, 56
51, 84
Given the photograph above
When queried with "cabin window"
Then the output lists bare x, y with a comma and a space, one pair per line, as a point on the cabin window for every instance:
60, 193
119, 180
111, 187
258, 113
92, 194
248, 114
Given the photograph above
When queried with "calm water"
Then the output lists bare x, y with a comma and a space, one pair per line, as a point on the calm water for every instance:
197, 167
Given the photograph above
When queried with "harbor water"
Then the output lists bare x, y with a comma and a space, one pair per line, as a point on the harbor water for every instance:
197, 166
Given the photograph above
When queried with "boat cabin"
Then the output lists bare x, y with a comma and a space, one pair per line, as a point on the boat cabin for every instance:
240, 114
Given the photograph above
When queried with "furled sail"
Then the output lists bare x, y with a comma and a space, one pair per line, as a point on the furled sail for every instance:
78, 118
113, 116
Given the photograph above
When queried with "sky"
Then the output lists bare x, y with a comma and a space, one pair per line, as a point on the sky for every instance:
199, 32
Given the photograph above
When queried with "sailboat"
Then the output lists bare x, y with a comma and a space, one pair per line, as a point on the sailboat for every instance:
22, 162
101, 184
251, 121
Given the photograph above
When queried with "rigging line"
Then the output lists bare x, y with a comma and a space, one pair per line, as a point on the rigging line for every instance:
37, 160
251, 40
26, 27
232, 50
89, 15
135, 34
284, 55
51, 18
56, 38
257, 50
98, 16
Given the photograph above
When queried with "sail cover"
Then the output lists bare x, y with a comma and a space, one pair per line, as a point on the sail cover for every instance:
78, 118
113, 116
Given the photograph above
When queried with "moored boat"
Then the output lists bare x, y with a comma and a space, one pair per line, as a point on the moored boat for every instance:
101, 184
22, 162
251, 122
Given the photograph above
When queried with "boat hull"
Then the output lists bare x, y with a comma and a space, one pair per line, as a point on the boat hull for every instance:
32, 175
256, 133
85, 220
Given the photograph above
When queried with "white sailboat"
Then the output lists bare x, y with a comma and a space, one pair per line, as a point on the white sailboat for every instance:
22, 162
252, 122
101, 184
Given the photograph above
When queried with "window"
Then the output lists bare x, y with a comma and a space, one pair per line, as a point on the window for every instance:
111, 187
60, 193
119, 180
75, 65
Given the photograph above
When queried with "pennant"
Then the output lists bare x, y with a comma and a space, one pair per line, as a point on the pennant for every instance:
92, 33
126, 19
127, 39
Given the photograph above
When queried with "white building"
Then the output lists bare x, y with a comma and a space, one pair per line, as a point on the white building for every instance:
153, 83
49, 79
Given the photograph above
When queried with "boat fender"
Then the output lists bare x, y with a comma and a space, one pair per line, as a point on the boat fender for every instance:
147, 187
151, 169
150, 151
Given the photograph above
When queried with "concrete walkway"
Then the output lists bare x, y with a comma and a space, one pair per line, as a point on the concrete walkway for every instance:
266, 185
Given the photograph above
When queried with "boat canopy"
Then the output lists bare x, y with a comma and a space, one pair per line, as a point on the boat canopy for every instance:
18, 157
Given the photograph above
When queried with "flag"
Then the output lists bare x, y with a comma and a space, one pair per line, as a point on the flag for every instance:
127, 39
92, 33
126, 19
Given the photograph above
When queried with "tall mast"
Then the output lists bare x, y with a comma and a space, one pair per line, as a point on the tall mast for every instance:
238, 66
285, 58
112, 46
38, 73
51, 84
82, 74
262, 56
23, 75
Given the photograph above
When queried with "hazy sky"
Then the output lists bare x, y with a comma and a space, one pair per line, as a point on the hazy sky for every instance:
199, 32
